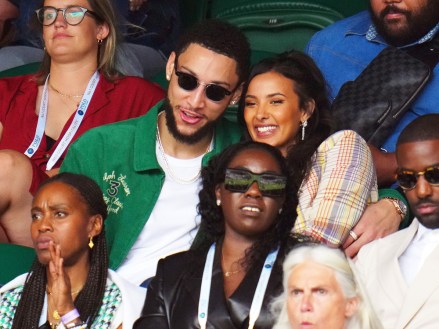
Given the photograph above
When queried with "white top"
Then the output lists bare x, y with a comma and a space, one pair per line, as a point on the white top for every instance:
423, 243
172, 225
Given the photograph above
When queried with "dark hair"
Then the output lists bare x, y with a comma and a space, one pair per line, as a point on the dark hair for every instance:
212, 220
222, 38
107, 49
89, 299
423, 128
309, 84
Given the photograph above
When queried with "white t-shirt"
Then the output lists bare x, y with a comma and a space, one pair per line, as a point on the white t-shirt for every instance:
172, 225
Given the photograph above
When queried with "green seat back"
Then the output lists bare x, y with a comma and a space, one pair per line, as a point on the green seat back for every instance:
14, 260
21, 70
278, 26
343, 7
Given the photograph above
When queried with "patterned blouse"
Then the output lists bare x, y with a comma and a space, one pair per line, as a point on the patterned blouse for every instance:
340, 184
112, 300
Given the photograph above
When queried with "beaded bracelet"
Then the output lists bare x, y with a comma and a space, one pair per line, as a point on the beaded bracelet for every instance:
70, 316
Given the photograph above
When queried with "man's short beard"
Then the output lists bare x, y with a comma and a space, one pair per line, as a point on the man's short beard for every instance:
192, 139
417, 25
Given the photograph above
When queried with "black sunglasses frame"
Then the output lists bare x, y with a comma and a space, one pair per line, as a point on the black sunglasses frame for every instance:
63, 11
210, 89
414, 176
279, 180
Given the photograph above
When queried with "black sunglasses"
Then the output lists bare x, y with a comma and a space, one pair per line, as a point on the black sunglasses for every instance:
213, 91
73, 15
240, 180
407, 179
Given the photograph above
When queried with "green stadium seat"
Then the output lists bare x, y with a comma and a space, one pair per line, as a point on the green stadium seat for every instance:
278, 26
14, 260
21, 70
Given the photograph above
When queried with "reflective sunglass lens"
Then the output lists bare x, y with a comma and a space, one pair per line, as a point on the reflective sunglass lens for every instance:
432, 175
238, 180
406, 181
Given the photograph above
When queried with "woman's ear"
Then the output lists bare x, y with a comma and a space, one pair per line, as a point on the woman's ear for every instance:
352, 306
218, 193
96, 225
308, 110
103, 31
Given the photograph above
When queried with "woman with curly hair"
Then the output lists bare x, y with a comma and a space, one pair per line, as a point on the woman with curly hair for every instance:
69, 285
234, 268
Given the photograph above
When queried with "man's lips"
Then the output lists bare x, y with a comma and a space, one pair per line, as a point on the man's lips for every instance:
427, 208
190, 116
392, 12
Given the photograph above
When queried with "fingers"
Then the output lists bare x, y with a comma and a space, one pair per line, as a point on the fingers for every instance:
353, 249
348, 242
55, 262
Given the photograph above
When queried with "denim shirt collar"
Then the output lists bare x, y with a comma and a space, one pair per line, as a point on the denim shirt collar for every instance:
367, 29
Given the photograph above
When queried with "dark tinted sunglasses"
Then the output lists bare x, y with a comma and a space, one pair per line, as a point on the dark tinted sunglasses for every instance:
240, 180
188, 82
407, 179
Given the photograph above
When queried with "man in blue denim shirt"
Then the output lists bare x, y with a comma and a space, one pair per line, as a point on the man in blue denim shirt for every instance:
343, 50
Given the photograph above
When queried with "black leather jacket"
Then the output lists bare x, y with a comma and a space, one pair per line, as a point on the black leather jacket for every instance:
172, 298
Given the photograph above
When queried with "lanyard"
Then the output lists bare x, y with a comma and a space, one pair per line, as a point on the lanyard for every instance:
258, 297
76, 122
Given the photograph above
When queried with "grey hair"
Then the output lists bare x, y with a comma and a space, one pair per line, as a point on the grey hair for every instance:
346, 276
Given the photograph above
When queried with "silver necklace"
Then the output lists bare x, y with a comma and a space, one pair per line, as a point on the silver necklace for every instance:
168, 167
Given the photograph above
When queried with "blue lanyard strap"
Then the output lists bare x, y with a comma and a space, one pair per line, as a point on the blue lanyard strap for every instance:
258, 297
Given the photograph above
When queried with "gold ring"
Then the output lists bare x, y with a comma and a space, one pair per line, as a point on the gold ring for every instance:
353, 235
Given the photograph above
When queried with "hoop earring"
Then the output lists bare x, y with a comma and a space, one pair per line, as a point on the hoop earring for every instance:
304, 125
91, 244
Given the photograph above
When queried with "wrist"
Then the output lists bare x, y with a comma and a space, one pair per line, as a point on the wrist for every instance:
399, 206
72, 319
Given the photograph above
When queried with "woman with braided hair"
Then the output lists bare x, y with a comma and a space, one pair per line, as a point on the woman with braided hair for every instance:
69, 285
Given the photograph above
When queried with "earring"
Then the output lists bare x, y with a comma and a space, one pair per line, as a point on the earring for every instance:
168, 77
91, 244
233, 102
218, 202
100, 41
304, 124
280, 211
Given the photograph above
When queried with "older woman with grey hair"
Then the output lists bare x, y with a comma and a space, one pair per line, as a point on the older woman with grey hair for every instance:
322, 290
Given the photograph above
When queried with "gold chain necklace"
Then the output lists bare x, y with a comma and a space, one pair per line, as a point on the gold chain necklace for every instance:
168, 167
64, 95
228, 274
55, 313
